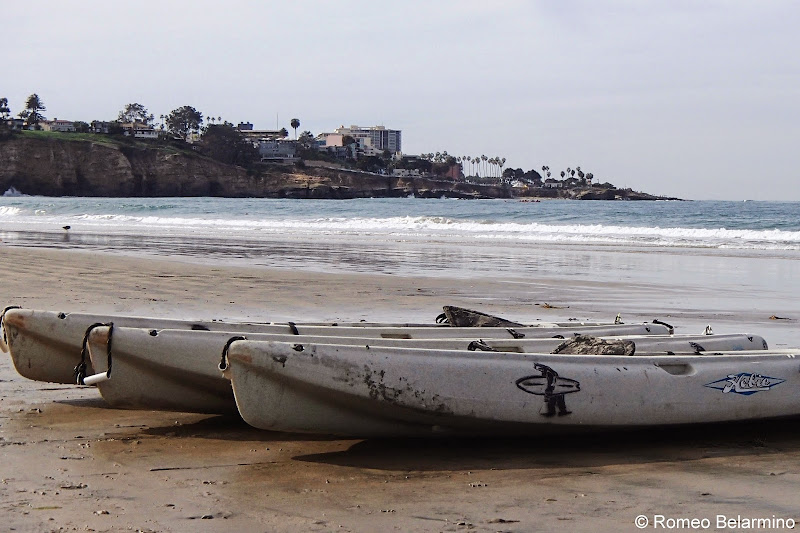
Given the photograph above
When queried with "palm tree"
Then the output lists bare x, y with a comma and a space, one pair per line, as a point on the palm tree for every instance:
31, 112
295, 124
501, 163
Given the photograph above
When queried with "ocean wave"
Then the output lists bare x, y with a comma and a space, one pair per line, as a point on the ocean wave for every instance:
9, 211
435, 227
770, 226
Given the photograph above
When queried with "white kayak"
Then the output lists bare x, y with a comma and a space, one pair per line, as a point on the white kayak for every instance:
177, 370
47, 346
373, 391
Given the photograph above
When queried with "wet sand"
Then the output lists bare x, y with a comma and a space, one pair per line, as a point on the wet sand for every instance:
70, 463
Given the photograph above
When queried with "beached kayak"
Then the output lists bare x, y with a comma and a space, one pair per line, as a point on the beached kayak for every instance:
178, 369
372, 391
47, 346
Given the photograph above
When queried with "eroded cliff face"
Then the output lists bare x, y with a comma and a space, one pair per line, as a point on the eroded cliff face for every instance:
55, 167
84, 168
51, 166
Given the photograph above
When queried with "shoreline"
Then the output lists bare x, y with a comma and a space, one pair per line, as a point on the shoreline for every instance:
71, 462
408, 283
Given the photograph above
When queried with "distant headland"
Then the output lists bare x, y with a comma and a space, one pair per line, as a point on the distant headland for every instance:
135, 156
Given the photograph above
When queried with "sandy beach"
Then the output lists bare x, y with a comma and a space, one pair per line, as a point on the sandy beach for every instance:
69, 463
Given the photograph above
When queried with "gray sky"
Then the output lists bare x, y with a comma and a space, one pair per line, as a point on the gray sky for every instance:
696, 99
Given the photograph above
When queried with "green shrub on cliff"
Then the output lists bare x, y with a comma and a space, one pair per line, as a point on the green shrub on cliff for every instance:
226, 144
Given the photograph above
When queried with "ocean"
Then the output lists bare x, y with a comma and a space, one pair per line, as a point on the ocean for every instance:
772, 226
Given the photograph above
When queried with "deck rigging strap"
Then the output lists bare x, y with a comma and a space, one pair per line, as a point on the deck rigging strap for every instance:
516, 334
668, 326
481, 345
698, 348
223, 362
293, 327
80, 368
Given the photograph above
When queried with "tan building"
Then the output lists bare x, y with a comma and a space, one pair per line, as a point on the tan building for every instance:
57, 125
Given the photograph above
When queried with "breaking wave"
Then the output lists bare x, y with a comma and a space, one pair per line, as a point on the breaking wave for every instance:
771, 226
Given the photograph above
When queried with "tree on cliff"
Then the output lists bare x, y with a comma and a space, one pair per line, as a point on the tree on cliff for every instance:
295, 124
31, 114
226, 144
5, 130
4, 110
306, 140
183, 121
371, 163
135, 113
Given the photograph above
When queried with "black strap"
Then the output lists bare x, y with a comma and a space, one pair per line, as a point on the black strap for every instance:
223, 363
80, 368
108, 347
671, 329
515, 334
480, 345
442, 319
293, 327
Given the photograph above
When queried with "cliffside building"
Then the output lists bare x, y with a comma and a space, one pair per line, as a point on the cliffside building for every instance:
371, 141
58, 125
277, 150
246, 129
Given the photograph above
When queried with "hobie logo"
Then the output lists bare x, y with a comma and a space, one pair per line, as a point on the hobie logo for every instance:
745, 383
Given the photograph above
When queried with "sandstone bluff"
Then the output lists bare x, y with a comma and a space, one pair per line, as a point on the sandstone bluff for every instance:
55, 167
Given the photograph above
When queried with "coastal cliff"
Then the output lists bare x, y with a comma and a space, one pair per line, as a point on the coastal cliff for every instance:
54, 167
77, 167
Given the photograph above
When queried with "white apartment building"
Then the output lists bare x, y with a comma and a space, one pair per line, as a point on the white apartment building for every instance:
376, 139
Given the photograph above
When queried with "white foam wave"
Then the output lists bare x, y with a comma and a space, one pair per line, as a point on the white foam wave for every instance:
253, 225
431, 227
9, 211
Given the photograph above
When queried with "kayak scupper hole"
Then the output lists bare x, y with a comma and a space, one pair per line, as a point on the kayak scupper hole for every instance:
677, 369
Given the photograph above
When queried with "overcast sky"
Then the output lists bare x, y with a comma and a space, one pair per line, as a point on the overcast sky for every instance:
696, 99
